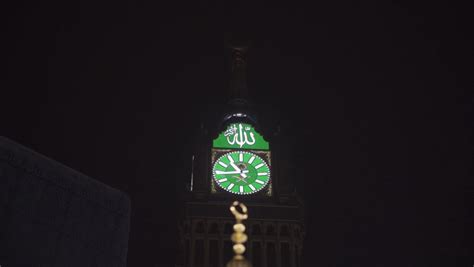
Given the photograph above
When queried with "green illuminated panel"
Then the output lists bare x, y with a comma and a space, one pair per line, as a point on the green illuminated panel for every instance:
240, 136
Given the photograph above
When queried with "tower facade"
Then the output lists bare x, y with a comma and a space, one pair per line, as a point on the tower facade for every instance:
236, 159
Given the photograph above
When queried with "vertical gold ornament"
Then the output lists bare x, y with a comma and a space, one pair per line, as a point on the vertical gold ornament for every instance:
239, 237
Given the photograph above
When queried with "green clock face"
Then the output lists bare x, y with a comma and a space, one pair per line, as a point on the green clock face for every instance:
241, 172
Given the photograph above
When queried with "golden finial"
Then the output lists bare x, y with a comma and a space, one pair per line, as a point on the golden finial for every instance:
239, 237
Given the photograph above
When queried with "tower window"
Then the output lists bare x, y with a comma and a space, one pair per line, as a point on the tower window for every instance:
213, 253
200, 228
257, 253
214, 229
257, 230
271, 254
270, 230
199, 253
284, 231
285, 254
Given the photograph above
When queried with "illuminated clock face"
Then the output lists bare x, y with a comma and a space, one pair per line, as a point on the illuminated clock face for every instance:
241, 172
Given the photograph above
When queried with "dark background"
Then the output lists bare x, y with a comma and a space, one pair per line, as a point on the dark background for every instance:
375, 99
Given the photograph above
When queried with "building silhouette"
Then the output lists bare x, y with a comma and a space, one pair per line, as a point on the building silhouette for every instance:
237, 159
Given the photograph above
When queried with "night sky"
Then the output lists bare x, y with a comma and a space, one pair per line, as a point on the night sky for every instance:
375, 101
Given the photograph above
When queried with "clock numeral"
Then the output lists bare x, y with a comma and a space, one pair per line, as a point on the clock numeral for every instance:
259, 165
222, 180
230, 158
241, 157
251, 159
230, 186
260, 182
241, 189
262, 173
252, 187
223, 164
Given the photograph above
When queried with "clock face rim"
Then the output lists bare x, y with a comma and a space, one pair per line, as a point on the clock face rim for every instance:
215, 179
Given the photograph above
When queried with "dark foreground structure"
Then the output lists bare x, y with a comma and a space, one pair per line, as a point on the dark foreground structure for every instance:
51, 215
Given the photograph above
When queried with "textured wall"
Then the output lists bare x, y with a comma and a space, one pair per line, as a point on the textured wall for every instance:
51, 215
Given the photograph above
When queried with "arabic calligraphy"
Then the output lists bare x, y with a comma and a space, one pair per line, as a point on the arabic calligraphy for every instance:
239, 135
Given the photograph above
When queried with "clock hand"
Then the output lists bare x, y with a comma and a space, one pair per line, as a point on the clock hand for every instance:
236, 168
227, 172
231, 172
242, 173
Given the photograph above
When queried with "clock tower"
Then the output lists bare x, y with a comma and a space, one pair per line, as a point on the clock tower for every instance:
235, 159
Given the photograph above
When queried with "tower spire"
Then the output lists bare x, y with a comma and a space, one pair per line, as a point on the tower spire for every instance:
239, 104
238, 91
